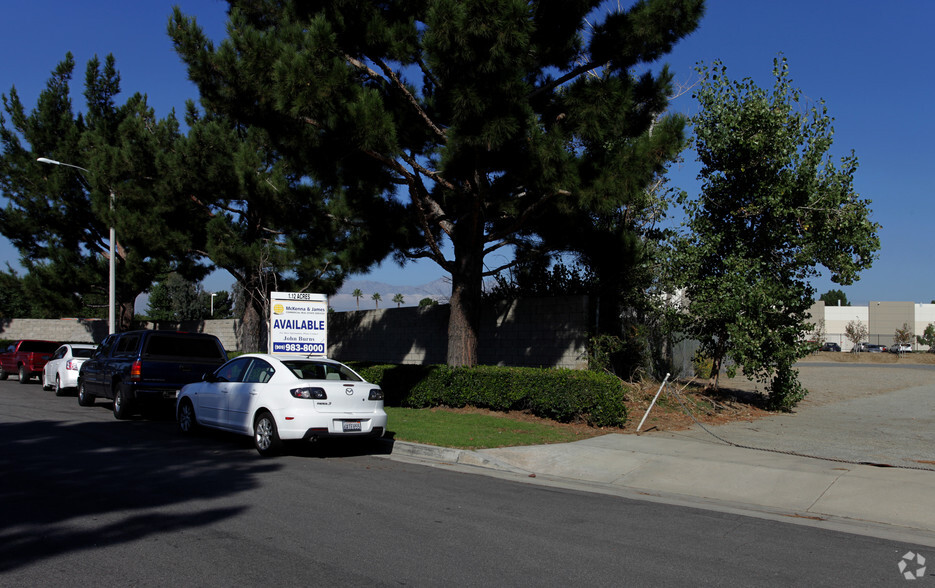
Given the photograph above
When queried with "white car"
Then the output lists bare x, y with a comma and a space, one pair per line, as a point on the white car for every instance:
61, 371
276, 399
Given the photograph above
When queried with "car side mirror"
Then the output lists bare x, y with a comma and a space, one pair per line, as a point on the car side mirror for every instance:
209, 377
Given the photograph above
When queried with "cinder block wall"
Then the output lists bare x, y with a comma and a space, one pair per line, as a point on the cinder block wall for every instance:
94, 330
536, 332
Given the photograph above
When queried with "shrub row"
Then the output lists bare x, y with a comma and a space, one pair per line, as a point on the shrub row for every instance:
559, 394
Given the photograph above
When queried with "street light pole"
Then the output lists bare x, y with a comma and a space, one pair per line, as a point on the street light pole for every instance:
112, 279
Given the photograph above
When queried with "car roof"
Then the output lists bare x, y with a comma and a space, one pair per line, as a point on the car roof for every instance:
281, 358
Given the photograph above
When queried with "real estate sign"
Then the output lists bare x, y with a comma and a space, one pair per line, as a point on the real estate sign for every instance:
298, 324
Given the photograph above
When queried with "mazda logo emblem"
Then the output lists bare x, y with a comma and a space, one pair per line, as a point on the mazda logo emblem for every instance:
349, 391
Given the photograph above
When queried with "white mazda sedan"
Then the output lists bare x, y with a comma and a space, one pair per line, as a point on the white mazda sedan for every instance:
276, 399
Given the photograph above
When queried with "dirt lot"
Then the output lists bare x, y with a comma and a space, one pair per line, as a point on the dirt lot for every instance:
878, 410
738, 398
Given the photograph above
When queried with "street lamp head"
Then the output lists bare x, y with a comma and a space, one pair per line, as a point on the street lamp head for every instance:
54, 162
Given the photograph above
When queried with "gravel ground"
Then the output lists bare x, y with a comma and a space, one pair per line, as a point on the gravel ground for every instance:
881, 414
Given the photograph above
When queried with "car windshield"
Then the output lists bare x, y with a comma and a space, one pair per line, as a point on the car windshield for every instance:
320, 370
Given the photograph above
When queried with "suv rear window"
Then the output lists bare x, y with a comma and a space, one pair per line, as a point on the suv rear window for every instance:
176, 345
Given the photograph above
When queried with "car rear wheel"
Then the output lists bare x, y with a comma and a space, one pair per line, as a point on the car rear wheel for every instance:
265, 435
3, 375
84, 399
188, 424
59, 391
23, 375
121, 404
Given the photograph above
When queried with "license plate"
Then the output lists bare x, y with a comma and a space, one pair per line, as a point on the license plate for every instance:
351, 426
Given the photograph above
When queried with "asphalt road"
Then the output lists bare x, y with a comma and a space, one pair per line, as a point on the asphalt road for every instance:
86, 500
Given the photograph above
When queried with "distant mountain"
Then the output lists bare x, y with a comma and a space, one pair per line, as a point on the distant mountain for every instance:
439, 290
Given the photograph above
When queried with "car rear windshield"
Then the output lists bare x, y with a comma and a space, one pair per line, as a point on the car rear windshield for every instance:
320, 370
38, 346
81, 352
175, 345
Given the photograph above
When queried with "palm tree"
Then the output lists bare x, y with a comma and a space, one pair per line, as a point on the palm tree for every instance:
398, 299
357, 294
376, 299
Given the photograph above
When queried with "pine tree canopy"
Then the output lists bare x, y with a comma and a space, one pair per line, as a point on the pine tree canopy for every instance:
59, 217
485, 118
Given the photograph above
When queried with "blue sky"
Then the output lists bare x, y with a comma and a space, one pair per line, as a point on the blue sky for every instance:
870, 61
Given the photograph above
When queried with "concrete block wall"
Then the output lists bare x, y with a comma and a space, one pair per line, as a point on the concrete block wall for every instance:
540, 332
64, 330
94, 330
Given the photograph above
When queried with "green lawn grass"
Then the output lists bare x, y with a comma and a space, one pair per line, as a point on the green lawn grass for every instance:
471, 431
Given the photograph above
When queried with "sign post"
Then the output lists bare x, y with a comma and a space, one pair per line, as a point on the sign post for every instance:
298, 324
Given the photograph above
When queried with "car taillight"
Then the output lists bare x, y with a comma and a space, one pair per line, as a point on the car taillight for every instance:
376, 394
136, 371
70, 365
309, 393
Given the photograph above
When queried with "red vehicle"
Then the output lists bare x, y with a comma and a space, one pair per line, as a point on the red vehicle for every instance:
26, 357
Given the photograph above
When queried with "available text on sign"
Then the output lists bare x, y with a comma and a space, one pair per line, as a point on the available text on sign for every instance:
298, 324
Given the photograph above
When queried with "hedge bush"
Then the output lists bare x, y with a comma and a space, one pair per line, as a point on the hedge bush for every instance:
559, 394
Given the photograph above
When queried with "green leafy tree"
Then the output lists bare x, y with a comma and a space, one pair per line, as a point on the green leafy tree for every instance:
485, 116
357, 294
427, 301
903, 336
818, 334
834, 298
928, 337
533, 277
856, 332
176, 299
773, 208
376, 299
399, 299
59, 217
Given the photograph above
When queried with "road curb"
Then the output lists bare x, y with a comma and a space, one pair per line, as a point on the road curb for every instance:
452, 456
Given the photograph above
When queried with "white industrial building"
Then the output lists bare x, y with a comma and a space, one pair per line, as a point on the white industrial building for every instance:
881, 318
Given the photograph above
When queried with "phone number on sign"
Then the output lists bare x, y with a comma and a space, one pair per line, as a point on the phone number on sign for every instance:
298, 347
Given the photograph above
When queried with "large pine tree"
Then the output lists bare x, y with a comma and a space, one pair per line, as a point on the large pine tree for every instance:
58, 217
486, 117
265, 226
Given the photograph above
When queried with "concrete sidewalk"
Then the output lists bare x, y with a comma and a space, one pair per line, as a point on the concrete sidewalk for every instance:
888, 502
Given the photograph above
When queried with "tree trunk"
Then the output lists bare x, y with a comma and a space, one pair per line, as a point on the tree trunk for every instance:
125, 313
254, 325
466, 286
253, 330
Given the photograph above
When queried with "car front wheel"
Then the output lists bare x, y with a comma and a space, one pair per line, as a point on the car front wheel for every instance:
265, 435
84, 399
23, 375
